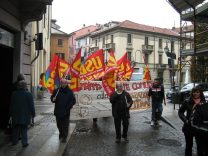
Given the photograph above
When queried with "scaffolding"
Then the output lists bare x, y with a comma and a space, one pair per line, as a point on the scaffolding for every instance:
194, 11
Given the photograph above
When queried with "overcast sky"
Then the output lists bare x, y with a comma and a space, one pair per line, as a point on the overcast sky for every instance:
72, 14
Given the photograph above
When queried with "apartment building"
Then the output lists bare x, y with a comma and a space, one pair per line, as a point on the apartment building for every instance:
59, 42
157, 47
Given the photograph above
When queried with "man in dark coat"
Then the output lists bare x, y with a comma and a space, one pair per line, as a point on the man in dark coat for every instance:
64, 100
121, 103
21, 110
157, 93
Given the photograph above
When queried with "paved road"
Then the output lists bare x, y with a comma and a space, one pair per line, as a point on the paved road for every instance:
89, 140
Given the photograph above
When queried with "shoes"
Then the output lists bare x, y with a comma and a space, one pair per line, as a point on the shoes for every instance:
25, 145
63, 140
126, 139
152, 123
118, 140
159, 123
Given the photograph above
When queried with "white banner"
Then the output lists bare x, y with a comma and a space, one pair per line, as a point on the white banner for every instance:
92, 102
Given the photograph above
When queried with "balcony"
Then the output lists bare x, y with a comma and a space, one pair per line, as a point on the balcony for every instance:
109, 46
93, 49
129, 46
147, 49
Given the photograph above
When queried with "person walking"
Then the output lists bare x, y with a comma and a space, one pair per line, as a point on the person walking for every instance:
121, 103
185, 112
64, 99
199, 122
157, 94
22, 110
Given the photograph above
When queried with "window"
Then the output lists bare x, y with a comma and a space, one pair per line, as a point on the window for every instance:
129, 38
111, 38
96, 43
78, 44
146, 59
61, 55
129, 55
103, 40
60, 42
146, 41
160, 59
160, 43
172, 46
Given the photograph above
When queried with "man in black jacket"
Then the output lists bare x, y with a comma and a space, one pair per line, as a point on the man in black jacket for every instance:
64, 100
121, 102
157, 93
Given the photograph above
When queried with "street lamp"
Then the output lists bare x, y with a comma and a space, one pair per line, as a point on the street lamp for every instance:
170, 63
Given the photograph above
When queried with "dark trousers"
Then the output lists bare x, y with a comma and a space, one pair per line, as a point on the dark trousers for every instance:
201, 143
17, 131
189, 142
157, 110
117, 122
63, 126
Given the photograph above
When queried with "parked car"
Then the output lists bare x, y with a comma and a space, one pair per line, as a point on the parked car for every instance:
206, 95
172, 91
186, 90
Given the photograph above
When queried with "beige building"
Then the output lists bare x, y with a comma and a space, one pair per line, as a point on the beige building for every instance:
40, 59
143, 43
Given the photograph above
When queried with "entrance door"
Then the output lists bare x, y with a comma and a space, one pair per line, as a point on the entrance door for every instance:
6, 79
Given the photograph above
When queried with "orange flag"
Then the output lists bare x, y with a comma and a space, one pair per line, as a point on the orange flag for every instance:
109, 78
147, 75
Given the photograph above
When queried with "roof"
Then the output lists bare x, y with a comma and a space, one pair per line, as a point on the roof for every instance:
182, 5
84, 31
140, 27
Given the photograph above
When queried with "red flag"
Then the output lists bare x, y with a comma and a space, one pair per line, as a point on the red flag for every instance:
75, 72
122, 67
94, 66
109, 78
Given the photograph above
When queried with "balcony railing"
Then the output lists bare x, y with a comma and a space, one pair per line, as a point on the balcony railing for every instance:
109, 46
93, 49
147, 49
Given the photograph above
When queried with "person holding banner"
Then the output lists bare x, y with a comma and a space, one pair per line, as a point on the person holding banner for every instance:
64, 99
121, 103
157, 93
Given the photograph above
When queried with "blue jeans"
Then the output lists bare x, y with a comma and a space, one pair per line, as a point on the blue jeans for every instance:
157, 109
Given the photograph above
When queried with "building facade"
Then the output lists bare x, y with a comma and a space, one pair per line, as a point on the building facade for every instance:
143, 44
15, 25
59, 42
40, 56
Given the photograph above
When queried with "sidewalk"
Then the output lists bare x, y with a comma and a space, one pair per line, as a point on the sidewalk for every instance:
43, 138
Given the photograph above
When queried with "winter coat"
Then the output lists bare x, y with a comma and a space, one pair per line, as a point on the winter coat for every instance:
22, 107
120, 108
65, 100
157, 93
199, 120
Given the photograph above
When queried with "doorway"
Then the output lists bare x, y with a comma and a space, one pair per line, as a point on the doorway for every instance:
6, 80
